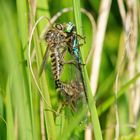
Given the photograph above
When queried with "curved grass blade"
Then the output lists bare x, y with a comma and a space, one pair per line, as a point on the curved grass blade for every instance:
103, 107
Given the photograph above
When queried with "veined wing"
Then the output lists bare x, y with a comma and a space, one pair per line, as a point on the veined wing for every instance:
73, 84
45, 57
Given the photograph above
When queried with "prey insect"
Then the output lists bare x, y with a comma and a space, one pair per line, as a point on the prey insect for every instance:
73, 41
73, 47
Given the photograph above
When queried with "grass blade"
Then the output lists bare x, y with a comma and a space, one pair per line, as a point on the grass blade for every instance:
91, 101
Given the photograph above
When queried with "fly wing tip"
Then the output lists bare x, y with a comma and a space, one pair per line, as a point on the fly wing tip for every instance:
40, 72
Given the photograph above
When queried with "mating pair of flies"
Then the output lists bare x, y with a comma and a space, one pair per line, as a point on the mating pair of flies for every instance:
60, 39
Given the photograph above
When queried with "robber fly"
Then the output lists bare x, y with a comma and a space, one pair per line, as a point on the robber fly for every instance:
56, 41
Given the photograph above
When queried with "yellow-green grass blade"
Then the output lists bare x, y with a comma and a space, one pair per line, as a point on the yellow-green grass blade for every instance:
103, 107
9, 113
91, 102
13, 64
22, 15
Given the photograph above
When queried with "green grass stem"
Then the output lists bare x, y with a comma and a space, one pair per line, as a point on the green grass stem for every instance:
91, 101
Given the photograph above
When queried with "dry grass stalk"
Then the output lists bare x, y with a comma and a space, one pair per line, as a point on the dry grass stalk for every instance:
132, 29
88, 132
97, 47
129, 20
98, 42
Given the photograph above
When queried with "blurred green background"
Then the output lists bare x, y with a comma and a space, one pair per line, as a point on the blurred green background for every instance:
21, 108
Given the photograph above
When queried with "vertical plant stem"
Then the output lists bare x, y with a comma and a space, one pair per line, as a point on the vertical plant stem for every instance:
91, 101
10, 123
22, 12
133, 29
17, 87
98, 42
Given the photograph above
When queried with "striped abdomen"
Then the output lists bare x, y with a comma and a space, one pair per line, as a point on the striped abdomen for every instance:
56, 65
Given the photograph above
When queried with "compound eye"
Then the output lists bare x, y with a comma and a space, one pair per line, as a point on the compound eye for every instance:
59, 26
70, 27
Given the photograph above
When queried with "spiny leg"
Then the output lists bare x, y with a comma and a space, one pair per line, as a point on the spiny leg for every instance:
80, 37
73, 62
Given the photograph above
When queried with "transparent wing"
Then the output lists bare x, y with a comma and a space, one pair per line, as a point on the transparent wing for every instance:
71, 76
45, 57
